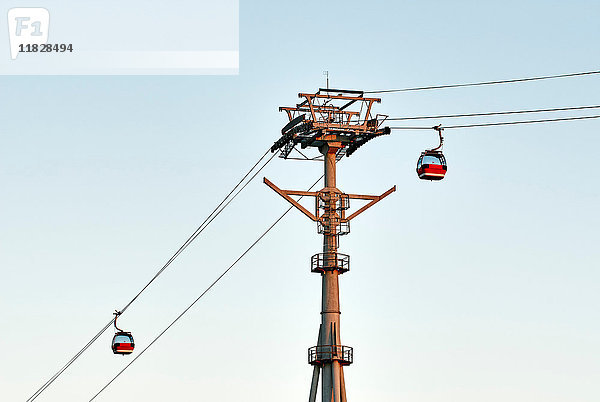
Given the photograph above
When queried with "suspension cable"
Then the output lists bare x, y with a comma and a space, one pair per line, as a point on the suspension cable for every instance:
444, 116
63, 368
473, 84
206, 222
201, 295
504, 123
216, 211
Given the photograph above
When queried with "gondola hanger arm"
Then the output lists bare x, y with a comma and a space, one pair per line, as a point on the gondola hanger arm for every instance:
439, 130
117, 314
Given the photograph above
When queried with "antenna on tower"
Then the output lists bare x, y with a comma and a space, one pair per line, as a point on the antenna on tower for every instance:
326, 74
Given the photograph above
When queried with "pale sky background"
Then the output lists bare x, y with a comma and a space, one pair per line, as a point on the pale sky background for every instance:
482, 287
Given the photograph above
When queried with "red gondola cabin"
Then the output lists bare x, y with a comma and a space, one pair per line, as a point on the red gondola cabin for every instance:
122, 343
431, 166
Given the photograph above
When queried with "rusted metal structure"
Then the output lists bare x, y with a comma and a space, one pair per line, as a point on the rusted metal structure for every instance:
336, 122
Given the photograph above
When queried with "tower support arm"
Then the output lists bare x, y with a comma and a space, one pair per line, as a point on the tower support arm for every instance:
285, 194
374, 201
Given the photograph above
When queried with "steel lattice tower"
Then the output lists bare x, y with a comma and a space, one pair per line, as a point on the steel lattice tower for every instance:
329, 121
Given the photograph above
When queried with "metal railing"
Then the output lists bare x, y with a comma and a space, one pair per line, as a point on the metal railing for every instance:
333, 227
321, 354
330, 262
336, 201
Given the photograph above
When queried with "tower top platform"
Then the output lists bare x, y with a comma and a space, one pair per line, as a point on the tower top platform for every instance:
340, 118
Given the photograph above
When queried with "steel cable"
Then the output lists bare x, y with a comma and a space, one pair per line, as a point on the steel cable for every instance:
504, 123
473, 84
444, 116
216, 211
201, 295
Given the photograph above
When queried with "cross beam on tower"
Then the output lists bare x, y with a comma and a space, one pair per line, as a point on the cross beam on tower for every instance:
336, 122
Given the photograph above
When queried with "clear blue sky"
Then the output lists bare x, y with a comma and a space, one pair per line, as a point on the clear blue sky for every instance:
484, 286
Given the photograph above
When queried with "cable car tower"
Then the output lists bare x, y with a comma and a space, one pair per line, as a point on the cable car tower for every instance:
336, 122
